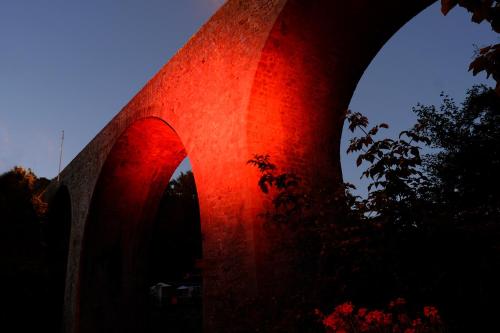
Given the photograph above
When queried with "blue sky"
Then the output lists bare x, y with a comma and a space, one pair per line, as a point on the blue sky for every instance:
73, 65
429, 55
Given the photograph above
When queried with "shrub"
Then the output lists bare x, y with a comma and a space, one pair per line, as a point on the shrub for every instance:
345, 318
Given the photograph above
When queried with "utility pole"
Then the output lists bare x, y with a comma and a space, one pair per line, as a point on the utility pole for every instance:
60, 157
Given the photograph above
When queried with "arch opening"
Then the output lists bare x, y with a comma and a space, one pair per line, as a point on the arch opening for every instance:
57, 235
429, 55
174, 273
122, 232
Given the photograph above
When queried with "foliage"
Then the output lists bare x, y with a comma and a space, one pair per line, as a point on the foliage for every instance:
481, 10
464, 170
289, 199
183, 186
176, 238
23, 272
346, 319
488, 58
329, 257
20, 191
394, 168
175, 250
428, 230
460, 170
445, 206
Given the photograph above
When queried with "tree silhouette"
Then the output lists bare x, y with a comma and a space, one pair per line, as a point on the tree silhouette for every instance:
429, 228
23, 269
176, 245
487, 58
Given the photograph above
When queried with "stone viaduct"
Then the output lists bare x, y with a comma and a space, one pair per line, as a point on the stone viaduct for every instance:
260, 77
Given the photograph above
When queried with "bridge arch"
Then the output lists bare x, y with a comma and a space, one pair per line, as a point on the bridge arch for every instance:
264, 76
113, 282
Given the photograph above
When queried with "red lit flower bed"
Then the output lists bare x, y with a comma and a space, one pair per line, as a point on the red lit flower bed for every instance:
347, 319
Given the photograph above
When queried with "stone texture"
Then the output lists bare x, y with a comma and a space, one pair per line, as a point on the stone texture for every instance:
261, 77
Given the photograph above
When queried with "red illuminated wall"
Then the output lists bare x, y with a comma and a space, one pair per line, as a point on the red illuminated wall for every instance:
262, 76
113, 287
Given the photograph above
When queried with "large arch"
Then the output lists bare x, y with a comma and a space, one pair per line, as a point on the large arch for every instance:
263, 76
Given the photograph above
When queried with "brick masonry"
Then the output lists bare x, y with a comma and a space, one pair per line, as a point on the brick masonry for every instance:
261, 77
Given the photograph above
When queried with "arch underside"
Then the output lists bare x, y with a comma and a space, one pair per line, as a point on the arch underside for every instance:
115, 251
261, 77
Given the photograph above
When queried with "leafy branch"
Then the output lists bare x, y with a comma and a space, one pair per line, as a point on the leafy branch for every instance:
487, 58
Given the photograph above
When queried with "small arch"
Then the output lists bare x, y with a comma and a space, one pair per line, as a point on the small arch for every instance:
120, 226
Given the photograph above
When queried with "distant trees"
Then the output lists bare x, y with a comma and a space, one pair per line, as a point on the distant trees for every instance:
23, 269
464, 171
488, 57
20, 191
429, 229
176, 248
176, 243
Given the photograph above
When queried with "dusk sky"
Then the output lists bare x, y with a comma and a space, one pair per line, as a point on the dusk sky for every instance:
73, 65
